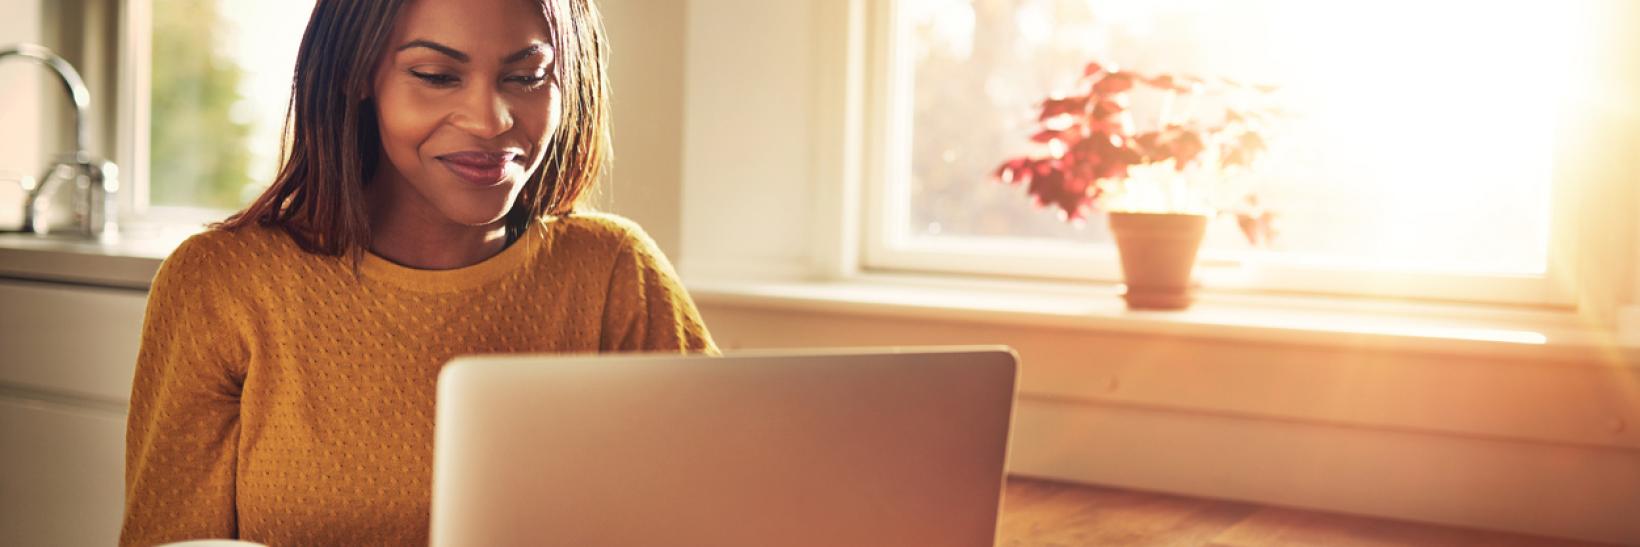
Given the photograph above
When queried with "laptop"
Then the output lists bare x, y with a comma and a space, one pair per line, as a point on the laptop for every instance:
804, 448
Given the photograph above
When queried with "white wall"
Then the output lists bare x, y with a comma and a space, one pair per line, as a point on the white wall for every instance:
749, 123
646, 73
674, 128
21, 87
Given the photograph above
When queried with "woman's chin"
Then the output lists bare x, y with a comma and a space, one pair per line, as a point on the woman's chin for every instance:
479, 208
477, 215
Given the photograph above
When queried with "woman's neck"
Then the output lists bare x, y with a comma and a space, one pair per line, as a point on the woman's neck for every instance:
434, 249
410, 233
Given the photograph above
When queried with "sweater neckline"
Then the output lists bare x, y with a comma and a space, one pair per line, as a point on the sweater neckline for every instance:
491, 269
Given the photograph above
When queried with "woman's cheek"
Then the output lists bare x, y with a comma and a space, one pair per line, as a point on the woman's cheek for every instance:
418, 115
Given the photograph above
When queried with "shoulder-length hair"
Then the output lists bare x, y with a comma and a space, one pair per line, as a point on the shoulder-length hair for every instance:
332, 143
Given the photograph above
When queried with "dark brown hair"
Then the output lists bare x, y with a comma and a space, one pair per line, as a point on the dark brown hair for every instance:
332, 144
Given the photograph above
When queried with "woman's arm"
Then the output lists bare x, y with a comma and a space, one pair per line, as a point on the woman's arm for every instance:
647, 308
183, 428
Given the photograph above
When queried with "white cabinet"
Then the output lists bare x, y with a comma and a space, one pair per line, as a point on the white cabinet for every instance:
67, 355
75, 340
61, 474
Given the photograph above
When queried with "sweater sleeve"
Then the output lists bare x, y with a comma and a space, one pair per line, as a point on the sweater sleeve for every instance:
182, 432
647, 308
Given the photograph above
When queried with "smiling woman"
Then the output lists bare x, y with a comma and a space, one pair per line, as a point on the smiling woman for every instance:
436, 113
460, 129
427, 209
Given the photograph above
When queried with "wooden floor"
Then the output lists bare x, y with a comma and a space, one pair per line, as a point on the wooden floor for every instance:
1041, 513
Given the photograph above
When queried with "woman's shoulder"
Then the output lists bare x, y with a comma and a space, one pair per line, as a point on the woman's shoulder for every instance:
217, 244
604, 242
597, 223
217, 253
584, 231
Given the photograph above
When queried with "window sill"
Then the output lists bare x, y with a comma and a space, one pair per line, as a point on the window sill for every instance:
1513, 333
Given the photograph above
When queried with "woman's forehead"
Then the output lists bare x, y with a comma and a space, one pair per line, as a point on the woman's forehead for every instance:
480, 28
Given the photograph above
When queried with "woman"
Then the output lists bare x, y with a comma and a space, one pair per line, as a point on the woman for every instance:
284, 388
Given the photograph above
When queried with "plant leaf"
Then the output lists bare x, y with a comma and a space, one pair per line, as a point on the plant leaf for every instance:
1105, 109
1067, 105
1013, 171
1115, 82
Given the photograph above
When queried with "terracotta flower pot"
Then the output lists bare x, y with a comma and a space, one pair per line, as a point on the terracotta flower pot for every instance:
1158, 253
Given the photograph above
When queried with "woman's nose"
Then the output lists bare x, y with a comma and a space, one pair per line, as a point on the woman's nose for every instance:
483, 113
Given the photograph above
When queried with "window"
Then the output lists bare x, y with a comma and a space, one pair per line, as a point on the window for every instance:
1417, 163
219, 84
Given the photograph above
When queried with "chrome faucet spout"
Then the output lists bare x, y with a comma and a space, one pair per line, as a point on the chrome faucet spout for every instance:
72, 82
95, 180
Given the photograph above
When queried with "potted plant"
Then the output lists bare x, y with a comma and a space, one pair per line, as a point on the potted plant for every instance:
1159, 185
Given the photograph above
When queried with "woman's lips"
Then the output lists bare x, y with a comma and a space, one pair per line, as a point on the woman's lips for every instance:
479, 168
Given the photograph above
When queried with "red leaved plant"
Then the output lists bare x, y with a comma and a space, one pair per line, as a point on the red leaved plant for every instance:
1090, 141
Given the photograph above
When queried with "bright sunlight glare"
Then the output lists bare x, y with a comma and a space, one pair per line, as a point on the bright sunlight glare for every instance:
1423, 131
1450, 103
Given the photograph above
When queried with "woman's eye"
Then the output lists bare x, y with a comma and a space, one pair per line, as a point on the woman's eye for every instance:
529, 80
436, 79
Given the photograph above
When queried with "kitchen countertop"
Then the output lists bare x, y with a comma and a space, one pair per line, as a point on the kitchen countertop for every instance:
128, 260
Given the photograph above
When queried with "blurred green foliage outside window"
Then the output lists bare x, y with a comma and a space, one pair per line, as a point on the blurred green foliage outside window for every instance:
219, 89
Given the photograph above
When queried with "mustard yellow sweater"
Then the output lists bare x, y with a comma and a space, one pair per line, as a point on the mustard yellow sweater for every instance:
282, 399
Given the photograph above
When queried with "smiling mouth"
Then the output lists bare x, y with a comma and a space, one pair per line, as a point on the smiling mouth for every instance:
479, 168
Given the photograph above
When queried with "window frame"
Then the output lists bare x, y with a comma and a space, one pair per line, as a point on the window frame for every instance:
132, 124
886, 245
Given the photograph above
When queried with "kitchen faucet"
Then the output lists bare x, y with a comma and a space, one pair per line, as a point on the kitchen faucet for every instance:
96, 181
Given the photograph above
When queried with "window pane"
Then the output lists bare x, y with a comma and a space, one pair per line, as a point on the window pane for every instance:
220, 84
1421, 140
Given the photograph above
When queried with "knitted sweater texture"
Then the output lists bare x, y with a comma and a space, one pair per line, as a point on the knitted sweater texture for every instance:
287, 398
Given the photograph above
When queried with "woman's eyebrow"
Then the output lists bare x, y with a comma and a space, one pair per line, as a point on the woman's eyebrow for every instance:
525, 53
456, 54
448, 51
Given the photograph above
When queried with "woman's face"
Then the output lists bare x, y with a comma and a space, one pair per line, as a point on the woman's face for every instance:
466, 104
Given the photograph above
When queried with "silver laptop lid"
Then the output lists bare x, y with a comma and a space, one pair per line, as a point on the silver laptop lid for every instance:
857, 447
